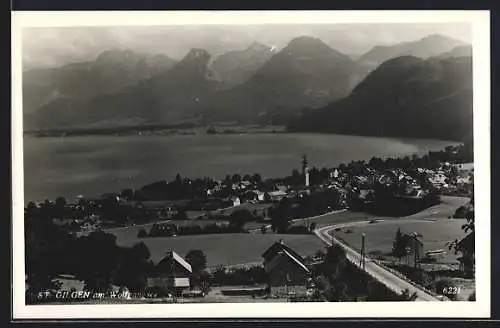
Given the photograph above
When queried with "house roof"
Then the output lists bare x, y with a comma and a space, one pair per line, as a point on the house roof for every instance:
276, 248
177, 258
285, 255
277, 193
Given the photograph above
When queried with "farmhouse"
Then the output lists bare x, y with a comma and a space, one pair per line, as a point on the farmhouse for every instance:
275, 248
236, 201
277, 195
172, 274
287, 273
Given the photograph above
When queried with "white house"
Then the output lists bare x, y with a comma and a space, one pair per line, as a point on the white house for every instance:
236, 201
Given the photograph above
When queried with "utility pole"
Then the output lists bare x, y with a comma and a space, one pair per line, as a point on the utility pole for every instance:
416, 249
363, 242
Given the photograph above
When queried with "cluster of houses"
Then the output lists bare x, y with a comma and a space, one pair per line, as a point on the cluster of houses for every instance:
408, 183
229, 193
286, 270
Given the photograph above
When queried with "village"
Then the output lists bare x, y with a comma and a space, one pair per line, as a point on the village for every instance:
244, 204
357, 185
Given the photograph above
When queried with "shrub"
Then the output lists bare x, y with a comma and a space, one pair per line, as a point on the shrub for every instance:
298, 229
180, 215
142, 233
460, 212
472, 297
446, 287
239, 276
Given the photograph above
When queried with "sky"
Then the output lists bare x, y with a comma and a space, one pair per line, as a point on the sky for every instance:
56, 46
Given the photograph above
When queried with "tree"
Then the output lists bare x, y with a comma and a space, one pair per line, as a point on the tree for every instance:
338, 292
319, 254
197, 259
60, 207
211, 130
141, 251
181, 214
134, 267
399, 246
236, 178
256, 178
99, 258
142, 233
61, 202
178, 180
281, 216
31, 210
127, 193
238, 218
203, 280
466, 244
45, 244
335, 261
296, 177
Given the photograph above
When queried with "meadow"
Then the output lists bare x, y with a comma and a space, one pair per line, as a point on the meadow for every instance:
232, 249
380, 236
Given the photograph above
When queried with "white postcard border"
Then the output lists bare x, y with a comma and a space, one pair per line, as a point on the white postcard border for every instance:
480, 23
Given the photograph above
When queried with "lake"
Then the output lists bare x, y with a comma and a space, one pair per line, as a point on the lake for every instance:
93, 165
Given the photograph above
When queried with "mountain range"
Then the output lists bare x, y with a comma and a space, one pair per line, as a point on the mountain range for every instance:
170, 96
235, 67
256, 84
459, 51
305, 74
110, 72
429, 46
405, 97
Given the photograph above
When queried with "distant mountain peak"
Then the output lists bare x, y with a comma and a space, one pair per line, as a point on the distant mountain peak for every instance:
402, 60
406, 96
306, 41
310, 46
438, 37
237, 66
428, 46
196, 54
115, 54
257, 46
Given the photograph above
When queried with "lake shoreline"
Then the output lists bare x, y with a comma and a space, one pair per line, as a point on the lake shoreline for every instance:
146, 130
192, 129
87, 165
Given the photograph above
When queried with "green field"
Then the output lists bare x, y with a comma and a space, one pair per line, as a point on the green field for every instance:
380, 236
229, 249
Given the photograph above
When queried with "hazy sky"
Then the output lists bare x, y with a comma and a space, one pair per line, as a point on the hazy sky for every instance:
50, 46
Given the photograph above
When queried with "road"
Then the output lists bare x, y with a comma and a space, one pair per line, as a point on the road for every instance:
378, 272
310, 218
392, 281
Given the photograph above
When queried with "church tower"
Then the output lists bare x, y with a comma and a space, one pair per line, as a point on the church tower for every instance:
305, 170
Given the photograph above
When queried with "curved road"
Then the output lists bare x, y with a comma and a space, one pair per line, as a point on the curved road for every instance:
389, 279
378, 272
